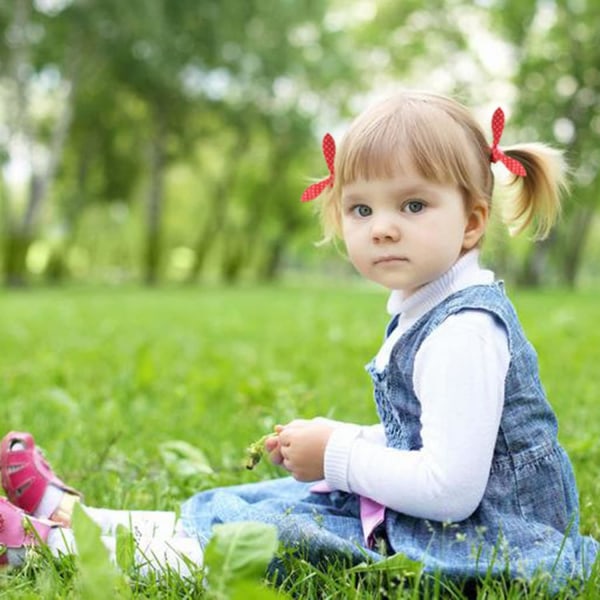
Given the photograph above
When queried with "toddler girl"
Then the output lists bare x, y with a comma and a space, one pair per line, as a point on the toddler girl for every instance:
464, 471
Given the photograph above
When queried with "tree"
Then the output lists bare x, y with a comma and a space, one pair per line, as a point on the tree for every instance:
174, 69
42, 143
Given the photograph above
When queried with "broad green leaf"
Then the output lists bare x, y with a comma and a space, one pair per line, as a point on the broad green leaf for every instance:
246, 590
183, 459
396, 562
97, 576
239, 551
125, 548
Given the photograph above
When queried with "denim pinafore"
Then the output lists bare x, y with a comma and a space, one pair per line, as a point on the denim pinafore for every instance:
527, 522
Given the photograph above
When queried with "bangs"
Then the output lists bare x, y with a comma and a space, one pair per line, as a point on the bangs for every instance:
419, 136
378, 155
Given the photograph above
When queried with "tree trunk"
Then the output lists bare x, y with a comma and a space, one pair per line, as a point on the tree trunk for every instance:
155, 201
217, 210
213, 224
234, 256
15, 247
269, 267
15, 255
20, 236
58, 269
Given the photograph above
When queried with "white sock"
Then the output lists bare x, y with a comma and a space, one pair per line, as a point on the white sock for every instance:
61, 541
142, 523
159, 555
152, 555
49, 502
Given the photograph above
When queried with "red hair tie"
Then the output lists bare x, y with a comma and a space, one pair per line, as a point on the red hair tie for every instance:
512, 164
314, 190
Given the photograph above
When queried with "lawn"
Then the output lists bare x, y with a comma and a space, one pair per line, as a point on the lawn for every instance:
104, 378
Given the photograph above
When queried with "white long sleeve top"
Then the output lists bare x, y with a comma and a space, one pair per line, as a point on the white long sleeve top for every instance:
459, 374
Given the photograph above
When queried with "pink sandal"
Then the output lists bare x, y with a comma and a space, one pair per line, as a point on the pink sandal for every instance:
26, 475
18, 529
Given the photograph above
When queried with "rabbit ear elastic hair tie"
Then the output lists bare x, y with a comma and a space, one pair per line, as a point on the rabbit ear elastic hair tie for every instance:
512, 164
314, 190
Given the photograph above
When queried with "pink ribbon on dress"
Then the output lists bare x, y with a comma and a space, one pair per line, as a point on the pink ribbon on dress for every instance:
372, 513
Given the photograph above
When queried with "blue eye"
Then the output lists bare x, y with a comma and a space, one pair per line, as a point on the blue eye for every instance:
362, 210
414, 206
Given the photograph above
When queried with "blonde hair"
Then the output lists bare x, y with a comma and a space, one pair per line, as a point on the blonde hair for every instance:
447, 146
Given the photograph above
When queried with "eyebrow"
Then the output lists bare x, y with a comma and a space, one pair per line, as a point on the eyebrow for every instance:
398, 190
349, 198
412, 190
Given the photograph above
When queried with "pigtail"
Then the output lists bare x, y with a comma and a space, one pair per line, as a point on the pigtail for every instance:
536, 197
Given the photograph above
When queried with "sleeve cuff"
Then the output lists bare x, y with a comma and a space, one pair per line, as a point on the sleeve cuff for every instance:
337, 456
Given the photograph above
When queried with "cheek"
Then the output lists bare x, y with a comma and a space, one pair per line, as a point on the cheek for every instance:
347, 224
348, 236
455, 226
354, 248
351, 249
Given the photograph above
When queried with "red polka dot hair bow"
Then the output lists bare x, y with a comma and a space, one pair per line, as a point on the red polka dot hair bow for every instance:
314, 190
512, 164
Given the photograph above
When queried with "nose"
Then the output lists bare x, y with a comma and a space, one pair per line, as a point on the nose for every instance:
385, 229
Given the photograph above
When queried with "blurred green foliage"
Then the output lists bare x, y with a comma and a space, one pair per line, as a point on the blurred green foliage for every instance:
153, 140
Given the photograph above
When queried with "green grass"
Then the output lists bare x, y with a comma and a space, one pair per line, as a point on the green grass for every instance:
103, 377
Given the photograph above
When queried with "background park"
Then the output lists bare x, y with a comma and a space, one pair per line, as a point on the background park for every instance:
163, 301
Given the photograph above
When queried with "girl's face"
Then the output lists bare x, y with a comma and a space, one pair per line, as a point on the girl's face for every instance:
405, 232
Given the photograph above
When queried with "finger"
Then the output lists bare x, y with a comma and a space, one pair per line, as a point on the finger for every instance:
284, 438
271, 443
276, 457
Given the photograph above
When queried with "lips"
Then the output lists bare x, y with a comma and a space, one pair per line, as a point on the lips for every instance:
389, 259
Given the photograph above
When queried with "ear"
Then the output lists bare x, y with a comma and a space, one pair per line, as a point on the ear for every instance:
477, 220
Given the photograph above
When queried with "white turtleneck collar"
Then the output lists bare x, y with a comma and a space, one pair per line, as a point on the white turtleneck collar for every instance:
464, 273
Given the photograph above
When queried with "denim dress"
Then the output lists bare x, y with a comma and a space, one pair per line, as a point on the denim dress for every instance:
526, 524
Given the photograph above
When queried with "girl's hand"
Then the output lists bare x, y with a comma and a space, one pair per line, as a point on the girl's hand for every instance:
299, 447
